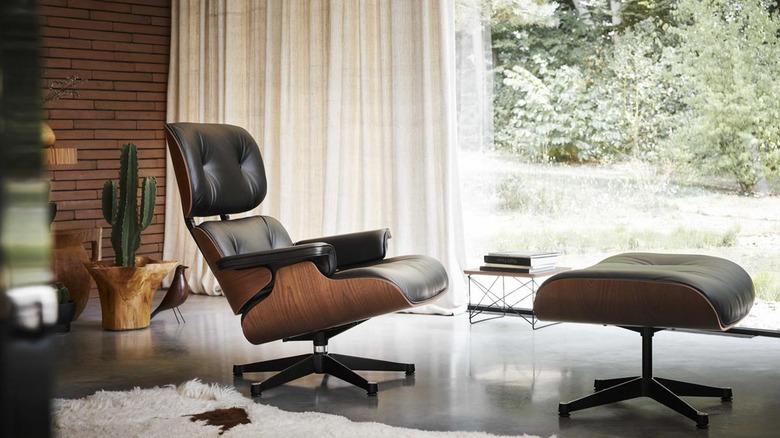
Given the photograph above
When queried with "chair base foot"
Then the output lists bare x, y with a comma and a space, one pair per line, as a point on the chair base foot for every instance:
653, 388
336, 365
320, 362
665, 391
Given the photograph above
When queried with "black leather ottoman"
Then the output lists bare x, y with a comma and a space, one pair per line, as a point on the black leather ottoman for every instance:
646, 293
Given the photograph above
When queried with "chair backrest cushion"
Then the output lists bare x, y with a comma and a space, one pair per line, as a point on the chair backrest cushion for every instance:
246, 235
218, 168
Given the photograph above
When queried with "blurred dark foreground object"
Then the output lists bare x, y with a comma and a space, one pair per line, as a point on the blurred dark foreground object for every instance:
28, 305
25, 362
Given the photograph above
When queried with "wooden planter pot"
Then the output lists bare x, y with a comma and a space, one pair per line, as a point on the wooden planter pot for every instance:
126, 294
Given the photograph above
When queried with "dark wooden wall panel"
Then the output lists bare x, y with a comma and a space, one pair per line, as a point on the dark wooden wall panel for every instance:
120, 48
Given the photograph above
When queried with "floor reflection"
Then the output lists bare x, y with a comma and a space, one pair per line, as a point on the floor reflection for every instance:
497, 376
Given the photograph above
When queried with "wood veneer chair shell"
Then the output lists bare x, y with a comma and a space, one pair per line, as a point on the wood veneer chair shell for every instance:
303, 301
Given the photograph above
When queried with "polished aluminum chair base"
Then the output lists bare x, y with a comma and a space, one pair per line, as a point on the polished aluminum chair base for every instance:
664, 391
320, 362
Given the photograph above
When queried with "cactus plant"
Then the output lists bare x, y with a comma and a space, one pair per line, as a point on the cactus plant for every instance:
120, 207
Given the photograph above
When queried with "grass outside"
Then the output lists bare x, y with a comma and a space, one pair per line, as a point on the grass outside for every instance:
589, 212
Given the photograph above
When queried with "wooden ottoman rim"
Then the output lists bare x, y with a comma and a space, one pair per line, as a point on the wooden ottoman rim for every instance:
630, 302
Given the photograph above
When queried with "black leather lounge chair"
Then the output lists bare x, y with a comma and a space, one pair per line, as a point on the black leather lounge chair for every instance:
311, 290
646, 293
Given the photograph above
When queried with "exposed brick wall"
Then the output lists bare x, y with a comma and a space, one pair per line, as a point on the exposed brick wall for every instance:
120, 49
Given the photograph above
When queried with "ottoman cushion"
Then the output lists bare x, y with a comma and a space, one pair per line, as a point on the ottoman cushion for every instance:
650, 290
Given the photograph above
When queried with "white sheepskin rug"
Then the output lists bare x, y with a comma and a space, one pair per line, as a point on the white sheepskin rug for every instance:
166, 412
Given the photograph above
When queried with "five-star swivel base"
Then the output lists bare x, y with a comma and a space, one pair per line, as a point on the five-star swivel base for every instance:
320, 362
664, 391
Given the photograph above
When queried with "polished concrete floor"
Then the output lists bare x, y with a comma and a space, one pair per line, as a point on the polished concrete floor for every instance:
498, 376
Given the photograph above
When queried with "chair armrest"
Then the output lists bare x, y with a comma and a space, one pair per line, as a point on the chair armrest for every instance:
322, 254
356, 248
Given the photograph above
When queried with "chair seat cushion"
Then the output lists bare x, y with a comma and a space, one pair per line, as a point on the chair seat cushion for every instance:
645, 289
420, 278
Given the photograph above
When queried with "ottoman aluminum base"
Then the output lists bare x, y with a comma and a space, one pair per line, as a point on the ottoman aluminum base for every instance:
664, 391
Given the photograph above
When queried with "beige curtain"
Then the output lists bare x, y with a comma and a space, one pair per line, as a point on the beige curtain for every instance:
353, 106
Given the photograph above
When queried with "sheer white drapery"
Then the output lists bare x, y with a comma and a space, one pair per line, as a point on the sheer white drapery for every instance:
353, 106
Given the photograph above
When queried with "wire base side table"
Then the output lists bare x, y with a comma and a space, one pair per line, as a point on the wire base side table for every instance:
502, 293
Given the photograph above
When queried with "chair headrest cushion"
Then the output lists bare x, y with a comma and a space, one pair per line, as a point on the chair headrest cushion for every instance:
222, 166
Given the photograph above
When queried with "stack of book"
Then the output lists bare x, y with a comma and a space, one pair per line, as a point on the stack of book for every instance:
520, 261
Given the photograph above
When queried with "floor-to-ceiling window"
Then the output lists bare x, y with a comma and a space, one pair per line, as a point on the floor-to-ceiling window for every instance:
634, 125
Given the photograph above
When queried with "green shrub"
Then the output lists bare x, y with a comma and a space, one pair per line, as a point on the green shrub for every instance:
689, 85
523, 195
728, 58
767, 285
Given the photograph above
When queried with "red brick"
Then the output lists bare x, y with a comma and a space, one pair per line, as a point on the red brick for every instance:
60, 124
53, 2
80, 114
155, 97
69, 104
47, 31
89, 144
154, 68
163, 40
73, 23
152, 144
79, 54
127, 106
100, 5
122, 135
151, 58
140, 115
64, 134
82, 204
102, 65
145, 124
100, 35
122, 76
67, 43
107, 95
74, 225
141, 28
120, 17
55, 11
55, 63
141, 86
151, 10
63, 215
90, 184
159, 173
62, 185
160, 3
130, 47
105, 124
90, 214
93, 84
73, 195
62, 73
161, 21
